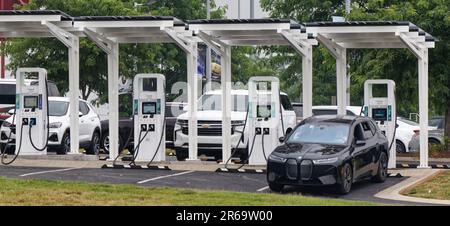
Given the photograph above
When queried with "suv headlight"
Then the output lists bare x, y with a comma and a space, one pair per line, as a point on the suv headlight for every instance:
182, 122
325, 161
237, 123
277, 158
55, 125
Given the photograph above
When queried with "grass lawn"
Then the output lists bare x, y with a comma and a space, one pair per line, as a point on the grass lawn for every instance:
436, 188
44, 192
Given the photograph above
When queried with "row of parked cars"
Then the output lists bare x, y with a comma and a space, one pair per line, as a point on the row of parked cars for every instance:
94, 134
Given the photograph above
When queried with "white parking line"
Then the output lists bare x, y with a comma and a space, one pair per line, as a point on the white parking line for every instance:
263, 189
49, 171
166, 176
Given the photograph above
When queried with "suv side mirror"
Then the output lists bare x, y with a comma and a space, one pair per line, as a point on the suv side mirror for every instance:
359, 143
282, 139
11, 111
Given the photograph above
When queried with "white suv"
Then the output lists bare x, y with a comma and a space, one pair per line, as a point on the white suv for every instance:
59, 140
209, 118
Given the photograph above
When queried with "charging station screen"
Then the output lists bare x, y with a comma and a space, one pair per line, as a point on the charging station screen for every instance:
149, 108
379, 114
264, 111
30, 102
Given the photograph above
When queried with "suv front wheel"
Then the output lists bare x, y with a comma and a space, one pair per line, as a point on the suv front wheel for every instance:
94, 147
64, 147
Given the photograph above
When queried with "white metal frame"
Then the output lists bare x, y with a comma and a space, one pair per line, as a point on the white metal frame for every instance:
109, 32
338, 37
221, 35
45, 24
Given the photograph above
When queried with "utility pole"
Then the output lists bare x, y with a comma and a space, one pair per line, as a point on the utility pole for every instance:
208, 52
347, 6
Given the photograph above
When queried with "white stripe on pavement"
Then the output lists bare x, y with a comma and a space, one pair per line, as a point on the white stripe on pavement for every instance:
49, 171
166, 176
263, 189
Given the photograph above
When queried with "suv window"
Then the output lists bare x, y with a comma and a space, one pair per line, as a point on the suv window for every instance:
329, 112
84, 109
366, 130
7, 93
286, 103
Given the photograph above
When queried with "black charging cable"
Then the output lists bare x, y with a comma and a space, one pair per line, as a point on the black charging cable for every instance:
240, 139
136, 150
48, 126
18, 150
160, 142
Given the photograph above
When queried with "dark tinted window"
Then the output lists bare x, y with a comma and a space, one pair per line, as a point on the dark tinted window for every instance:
367, 130
373, 127
286, 103
358, 133
329, 112
7, 94
298, 109
436, 122
84, 108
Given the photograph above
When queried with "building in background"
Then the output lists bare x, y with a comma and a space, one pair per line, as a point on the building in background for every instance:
7, 5
240, 9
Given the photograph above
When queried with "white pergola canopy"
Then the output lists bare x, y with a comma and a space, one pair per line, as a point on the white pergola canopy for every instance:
221, 35
109, 31
337, 37
45, 24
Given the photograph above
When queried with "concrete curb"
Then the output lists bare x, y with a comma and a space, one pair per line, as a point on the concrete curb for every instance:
416, 177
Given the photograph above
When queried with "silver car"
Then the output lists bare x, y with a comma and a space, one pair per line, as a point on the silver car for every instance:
435, 135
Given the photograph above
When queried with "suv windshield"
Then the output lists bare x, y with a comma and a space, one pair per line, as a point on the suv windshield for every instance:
321, 133
57, 108
213, 102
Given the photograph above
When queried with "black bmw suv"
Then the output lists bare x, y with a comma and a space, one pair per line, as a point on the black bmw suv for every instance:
330, 150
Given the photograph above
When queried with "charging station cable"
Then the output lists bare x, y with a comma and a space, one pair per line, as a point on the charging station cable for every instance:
160, 141
262, 144
395, 126
250, 153
18, 150
138, 147
240, 139
48, 125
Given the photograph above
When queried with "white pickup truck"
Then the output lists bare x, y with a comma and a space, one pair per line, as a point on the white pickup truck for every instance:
209, 118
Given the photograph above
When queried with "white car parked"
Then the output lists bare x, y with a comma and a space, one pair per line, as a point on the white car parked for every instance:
406, 129
59, 138
209, 118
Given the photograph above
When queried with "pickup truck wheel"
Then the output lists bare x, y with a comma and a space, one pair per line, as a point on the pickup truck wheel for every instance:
105, 142
182, 155
64, 148
94, 147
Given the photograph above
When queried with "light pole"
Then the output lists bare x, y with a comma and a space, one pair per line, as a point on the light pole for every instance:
252, 9
208, 52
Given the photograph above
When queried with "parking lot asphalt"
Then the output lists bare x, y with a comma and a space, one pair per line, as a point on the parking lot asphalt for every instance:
240, 182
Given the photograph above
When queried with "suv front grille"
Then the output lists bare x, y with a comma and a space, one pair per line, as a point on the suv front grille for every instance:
306, 168
292, 169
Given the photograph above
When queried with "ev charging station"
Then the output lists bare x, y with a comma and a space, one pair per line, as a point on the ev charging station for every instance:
31, 112
264, 117
149, 117
382, 109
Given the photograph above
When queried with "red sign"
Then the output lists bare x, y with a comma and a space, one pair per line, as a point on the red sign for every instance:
8, 4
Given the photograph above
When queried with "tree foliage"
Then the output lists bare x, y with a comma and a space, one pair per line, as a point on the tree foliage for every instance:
399, 65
